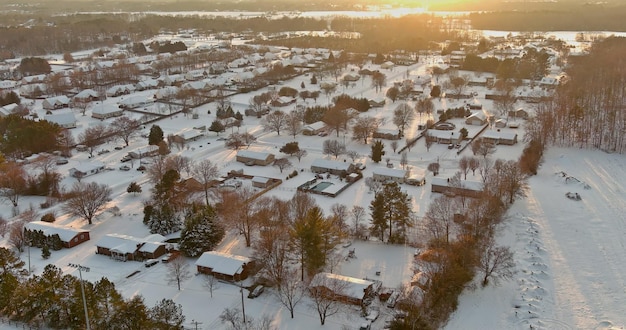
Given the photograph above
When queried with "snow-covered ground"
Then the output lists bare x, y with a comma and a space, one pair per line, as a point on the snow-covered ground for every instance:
570, 254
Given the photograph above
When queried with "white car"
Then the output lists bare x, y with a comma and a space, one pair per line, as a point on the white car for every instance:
151, 262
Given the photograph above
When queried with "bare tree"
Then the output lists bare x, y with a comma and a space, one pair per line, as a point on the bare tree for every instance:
424, 105
379, 80
125, 128
354, 155
12, 182
496, 263
434, 167
474, 163
485, 169
324, 292
294, 122
440, 219
428, 141
211, 283
374, 185
282, 164
205, 172
482, 148
239, 210
402, 116
464, 165
339, 216
178, 271
290, 290
358, 214
93, 136
394, 145
275, 121
16, 236
364, 127
404, 160
85, 200
300, 153
4, 226
334, 148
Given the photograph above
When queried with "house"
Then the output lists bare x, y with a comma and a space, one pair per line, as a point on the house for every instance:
33, 90
261, 182
186, 135
342, 288
134, 102
519, 113
444, 137
500, 123
65, 119
125, 247
146, 84
70, 237
85, 169
10, 109
283, 101
457, 57
321, 165
377, 102
7, 84
385, 174
147, 151
499, 137
224, 266
388, 134
85, 96
387, 65
314, 128
120, 90
475, 105
255, 157
195, 75
108, 111
478, 118
57, 102
464, 188
416, 179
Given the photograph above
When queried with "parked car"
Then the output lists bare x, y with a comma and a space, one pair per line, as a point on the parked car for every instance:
62, 161
169, 257
126, 159
124, 168
256, 292
151, 262
365, 326
391, 302
141, 168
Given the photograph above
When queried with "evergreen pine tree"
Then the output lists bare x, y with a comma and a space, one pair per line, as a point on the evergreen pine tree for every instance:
45, 252
378, 151
202, 232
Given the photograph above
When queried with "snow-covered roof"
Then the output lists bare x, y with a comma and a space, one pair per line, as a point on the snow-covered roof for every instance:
129, 244
315, 126
330, 164
253, 154
61, 119
350, 286
260, 179
491, 134
223, 263
103, 110
49, 229
86, 93
470, 185
391, 172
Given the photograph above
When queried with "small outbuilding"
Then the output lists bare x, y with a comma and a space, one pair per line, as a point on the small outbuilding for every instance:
261, 182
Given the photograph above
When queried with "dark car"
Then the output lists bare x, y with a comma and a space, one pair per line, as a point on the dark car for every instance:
141, 168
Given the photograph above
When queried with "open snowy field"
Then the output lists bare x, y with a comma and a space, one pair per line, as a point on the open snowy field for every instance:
571, 257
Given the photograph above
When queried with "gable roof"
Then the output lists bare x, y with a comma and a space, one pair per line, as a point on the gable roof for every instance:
330, 164
350, 286
49, 229
223, 263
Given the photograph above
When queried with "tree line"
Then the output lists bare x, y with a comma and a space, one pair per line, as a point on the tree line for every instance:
53, 300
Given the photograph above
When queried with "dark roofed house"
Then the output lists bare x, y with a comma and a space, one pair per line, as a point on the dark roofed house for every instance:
70, 237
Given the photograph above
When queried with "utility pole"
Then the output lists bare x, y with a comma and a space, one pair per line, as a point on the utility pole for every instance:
82, 290
243, 306
195, 323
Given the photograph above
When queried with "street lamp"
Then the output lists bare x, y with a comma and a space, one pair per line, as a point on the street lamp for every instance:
82, 290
